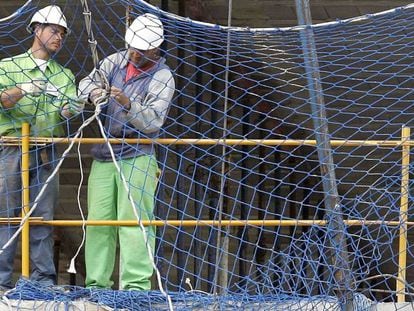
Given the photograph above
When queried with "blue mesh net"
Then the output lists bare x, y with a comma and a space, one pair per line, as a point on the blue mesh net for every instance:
241, 146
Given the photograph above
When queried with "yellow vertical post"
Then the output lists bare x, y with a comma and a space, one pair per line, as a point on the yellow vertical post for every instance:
402, 249
25, 198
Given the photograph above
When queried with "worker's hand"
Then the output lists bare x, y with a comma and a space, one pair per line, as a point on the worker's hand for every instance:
120, 97
76, 106
97, 95
34, 87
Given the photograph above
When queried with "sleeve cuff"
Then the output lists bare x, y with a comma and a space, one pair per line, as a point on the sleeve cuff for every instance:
136, 108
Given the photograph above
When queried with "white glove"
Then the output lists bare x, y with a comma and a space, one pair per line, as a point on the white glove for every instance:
35, 87
97, 96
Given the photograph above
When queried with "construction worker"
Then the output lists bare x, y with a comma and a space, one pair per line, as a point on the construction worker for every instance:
139, 95
34, 88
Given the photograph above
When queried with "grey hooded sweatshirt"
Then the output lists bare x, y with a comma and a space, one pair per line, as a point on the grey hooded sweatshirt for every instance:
150, 95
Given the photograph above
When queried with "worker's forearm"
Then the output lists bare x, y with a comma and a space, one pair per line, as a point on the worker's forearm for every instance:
10, 97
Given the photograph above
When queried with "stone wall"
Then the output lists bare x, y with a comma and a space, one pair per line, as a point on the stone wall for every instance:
276, 13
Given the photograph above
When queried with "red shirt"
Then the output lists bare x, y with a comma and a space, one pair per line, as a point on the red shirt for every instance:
133, 71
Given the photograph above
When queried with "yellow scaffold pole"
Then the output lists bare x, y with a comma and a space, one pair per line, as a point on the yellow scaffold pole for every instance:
38, 221
14, 141
402, 253
25, 198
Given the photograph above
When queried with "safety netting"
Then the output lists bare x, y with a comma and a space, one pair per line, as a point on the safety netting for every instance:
284, 160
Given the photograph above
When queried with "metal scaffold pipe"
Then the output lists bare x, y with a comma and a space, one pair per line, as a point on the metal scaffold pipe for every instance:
25, 200
336, 228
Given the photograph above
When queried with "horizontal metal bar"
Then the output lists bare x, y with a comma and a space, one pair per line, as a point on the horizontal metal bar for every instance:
193, 223
194, 141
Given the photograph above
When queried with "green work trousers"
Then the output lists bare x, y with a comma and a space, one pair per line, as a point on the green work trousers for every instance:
108, 200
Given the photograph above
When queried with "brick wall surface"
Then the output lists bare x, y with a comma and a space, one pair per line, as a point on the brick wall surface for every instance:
279, 13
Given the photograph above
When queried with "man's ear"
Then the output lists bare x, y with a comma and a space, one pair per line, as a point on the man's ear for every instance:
155, 54
37, 29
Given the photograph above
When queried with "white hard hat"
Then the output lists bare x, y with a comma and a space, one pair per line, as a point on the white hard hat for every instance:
51, 14
145, 33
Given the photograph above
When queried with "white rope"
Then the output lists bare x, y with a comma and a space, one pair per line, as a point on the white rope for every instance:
100, 102
17, 12
32, 209
134, 208
91, 38
36, 201
6, 300
336, 22
103, 99
72, 268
